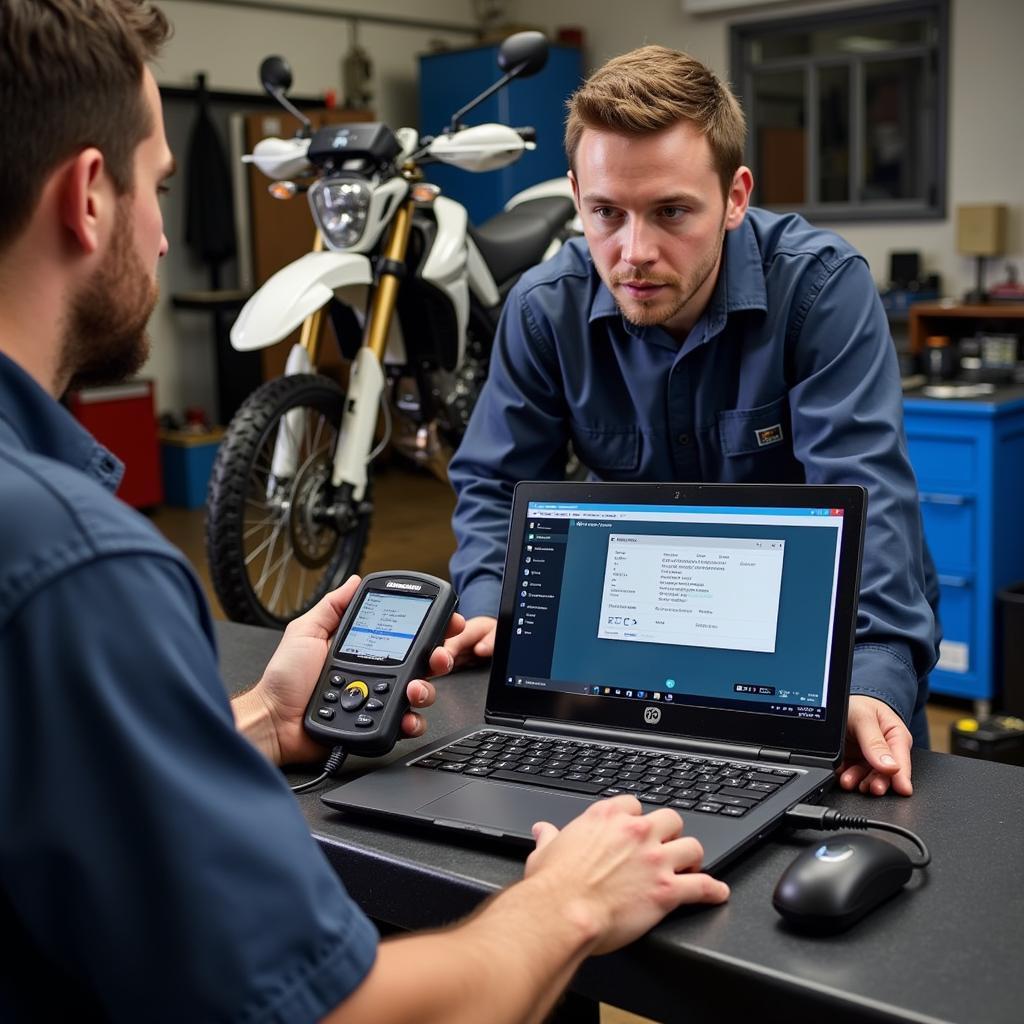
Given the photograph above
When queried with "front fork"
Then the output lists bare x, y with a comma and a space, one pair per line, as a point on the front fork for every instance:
366, 379
349, 475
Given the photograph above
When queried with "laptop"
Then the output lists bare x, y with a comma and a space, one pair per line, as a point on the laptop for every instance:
689, 644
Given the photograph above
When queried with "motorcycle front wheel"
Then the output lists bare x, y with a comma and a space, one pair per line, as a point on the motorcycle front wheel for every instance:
274, 549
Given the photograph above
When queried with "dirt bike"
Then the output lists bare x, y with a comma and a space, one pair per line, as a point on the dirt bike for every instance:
413, 294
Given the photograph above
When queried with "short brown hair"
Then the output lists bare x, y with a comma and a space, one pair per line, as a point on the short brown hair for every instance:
653, 88
70, 77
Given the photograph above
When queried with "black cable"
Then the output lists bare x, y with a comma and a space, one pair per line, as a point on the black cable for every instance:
331, 766
827, 819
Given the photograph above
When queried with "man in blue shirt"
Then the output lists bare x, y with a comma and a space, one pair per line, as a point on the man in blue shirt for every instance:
690, 337
153, 864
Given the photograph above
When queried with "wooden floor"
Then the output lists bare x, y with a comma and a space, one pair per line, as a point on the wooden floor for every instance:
412, 530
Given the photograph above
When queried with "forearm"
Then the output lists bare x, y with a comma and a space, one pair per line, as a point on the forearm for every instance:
507, 964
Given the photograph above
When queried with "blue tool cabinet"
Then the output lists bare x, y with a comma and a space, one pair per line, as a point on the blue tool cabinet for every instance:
450, 79
969, 461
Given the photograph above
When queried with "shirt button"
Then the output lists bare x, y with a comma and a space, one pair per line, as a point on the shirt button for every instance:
683, 439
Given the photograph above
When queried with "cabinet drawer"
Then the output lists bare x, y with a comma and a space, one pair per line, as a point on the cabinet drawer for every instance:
956, 612
943, 461
949, 529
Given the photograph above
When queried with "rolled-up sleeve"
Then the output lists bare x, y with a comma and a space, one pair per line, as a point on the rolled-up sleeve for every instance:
847, 412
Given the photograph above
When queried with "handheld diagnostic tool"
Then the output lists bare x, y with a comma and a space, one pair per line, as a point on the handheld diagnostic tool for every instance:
385, 639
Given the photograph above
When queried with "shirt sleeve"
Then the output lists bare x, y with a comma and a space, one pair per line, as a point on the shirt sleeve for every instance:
148, 848
847, 415
518, 431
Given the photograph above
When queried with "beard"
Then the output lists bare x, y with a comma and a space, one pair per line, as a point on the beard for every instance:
105, 339
681, 289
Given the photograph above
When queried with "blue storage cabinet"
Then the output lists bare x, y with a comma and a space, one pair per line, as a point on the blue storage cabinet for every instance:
969, 460
451, 79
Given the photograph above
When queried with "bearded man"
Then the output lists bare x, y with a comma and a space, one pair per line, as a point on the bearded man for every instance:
690, 337
153, 864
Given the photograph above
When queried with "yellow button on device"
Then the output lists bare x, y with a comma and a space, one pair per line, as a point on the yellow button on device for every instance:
967, 725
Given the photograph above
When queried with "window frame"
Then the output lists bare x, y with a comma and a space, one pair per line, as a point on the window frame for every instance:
933, 206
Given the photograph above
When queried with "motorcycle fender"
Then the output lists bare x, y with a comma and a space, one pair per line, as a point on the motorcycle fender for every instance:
481, 284
445, 265
286, 299
359, 422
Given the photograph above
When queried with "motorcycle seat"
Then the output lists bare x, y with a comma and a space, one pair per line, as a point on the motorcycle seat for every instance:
515, 240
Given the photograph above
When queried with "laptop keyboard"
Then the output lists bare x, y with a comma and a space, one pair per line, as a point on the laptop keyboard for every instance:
683, 781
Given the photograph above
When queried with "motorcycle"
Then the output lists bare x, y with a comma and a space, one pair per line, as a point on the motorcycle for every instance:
413, 294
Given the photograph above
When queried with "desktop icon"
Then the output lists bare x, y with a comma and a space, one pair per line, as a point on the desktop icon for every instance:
670, 683
629, 693
656, 696
641, 694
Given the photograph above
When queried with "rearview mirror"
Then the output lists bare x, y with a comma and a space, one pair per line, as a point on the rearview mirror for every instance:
523, 54
275, 75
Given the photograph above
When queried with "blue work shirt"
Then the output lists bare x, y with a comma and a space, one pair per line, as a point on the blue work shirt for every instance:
789, 375
153, 864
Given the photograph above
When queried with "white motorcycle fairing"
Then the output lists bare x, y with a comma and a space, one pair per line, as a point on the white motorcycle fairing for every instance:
445, 265
280, 305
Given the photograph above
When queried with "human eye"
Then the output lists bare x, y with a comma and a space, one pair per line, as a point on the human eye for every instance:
673, 214
605, 212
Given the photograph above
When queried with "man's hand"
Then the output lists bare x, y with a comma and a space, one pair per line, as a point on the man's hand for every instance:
270, 714
475, 643
877, 749
619, 870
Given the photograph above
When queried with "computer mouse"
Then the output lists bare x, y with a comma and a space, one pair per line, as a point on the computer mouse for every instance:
832, 884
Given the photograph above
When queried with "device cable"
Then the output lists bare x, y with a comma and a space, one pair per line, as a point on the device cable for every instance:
331, 766
827, 819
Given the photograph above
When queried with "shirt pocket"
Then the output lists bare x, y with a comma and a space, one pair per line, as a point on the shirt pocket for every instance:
610, 453
762, 430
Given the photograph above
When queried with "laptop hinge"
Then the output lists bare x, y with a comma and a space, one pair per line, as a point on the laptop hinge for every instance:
770, 754
514, 720
811, 761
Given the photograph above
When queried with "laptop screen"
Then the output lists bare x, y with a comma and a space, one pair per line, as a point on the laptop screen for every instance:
691, 606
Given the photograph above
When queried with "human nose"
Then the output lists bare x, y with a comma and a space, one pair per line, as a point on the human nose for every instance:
164, 245
639, 248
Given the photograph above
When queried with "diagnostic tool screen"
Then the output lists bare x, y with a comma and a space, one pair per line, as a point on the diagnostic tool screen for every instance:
384, 627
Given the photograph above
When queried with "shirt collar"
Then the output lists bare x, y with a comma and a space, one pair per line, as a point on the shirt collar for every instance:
740, 286
45, 427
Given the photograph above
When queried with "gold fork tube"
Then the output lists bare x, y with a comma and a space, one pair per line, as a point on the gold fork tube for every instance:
385, 296
309, 338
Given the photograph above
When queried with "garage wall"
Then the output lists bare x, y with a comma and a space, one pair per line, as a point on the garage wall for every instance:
986, 152
228, 45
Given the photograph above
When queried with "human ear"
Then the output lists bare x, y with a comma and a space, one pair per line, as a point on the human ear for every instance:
575, 190
739, 197
84, 199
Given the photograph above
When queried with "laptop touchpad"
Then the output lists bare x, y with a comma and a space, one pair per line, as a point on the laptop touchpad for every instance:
508, 809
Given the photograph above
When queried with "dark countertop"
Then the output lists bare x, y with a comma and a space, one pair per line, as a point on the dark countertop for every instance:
943, 950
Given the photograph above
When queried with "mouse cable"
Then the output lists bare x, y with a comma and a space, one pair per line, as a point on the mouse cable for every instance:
331, 766
827, 819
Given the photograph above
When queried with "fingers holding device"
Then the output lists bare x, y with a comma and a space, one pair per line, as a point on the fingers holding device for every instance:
384, 641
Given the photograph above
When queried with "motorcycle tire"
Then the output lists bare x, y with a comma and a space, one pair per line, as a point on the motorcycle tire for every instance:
270, 560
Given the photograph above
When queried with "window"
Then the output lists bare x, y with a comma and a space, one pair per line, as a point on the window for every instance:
847, 110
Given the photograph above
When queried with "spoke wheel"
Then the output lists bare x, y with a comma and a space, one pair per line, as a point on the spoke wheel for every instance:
274, 548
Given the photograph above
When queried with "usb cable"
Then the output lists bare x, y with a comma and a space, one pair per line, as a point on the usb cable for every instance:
331, 766
827, 819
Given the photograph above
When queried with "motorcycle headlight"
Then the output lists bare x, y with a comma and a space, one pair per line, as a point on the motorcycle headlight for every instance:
339, 208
